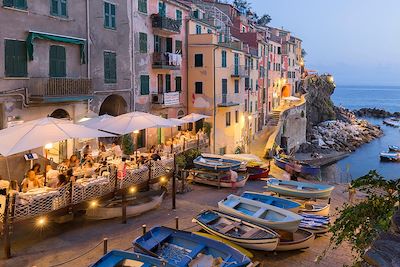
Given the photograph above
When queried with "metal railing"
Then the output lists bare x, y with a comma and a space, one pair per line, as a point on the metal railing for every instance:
226, 100
165, 23
239, 71
59, 87
167, 60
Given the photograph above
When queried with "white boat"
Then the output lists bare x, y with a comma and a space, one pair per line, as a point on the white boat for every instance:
395, 122
299, 189
225, 181
242, 233
315, 208
301, 239
136, 205
260, 213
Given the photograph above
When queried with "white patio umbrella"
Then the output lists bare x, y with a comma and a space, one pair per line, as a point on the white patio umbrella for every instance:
291, 98
134, 121
193, 117
37, 133
94, 122
176, 122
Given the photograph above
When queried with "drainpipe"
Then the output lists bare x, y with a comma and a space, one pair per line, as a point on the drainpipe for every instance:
187, 63
10, 93
88, 47
133, 69
215, 100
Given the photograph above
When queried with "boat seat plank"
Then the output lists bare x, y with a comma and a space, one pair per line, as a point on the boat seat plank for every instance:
259, 212
153, 242
227, 228
186, 260
250, 233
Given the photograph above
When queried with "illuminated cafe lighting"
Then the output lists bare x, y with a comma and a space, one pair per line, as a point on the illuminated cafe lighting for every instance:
136, 131
163, 179
250, 117
132, 189
41, 221
48, 146
93, 203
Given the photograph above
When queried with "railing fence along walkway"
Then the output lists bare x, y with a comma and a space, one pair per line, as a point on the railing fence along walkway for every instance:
20, 207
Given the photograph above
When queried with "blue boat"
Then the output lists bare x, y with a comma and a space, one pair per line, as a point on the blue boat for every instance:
299, 189
118, 258
394, 148
274, 201
181, 248
390, 156
299, 166
216, 163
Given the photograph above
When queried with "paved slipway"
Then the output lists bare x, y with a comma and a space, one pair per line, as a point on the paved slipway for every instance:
61, 243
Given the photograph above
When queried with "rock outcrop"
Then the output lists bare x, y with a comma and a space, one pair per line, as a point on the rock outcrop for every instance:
375, 113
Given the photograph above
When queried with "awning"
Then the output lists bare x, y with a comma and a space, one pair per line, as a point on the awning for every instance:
56, 38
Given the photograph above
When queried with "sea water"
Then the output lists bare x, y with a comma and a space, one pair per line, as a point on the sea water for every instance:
366, 157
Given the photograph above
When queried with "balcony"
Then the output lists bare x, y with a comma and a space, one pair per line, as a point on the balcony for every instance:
48, 90
228, 100
164, 100
165, 60
239, 71
165, 24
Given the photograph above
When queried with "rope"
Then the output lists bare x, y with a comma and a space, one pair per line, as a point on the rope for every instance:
77, 257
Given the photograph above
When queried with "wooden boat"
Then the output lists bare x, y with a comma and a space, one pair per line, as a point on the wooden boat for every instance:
136, 205
220, 239
299, 166
202, 177
315, 223
216, 163
390, 156
256, 172
394, 148
316, 209
395, 122
245, 234
187, 249
119, 258
299, 189
300, 239
260, 213
274, 201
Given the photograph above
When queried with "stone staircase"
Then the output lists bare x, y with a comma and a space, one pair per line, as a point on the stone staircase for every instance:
274, 118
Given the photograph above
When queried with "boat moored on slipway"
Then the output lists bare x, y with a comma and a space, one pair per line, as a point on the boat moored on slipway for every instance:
299, 189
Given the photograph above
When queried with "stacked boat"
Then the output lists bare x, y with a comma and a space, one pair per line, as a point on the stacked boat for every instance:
300, 167
395, 122
392, 155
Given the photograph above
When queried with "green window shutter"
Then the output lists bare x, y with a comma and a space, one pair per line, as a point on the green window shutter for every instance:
178, 84
236, 86
8, 3
21, 4
198, 60
63, 7
144, 85
57, 61
54, 7
142, 42
168, 45
157, 43
142, 6
110, 67
178, 47
15, 59
179, 16
106, 15
223, 59
167, 83
113, 67
106, 67
112, 16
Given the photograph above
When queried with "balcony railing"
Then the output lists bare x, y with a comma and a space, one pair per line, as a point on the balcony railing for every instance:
166, 24
59, 89
239, 71
228, 100
165, 60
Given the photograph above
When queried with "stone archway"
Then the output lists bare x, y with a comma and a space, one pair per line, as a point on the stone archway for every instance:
113, 105
286, 91
60, 114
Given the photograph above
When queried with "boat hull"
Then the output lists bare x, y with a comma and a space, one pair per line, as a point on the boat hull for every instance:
390, 156
116, 257
280, 187
304, 240
256, 173
104, 213
394, 148
317, 210
305, 169
221, 183
216, 163
274, 201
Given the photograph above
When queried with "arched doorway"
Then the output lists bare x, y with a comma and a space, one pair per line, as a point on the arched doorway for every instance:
113, 105
59, 150
286, 91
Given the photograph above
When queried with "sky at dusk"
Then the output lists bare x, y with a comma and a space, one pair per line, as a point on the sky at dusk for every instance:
358, 41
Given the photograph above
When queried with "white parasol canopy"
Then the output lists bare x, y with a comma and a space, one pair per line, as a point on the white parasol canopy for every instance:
37, 133
291, 98
133, 121
193, 117
94, 122
176, 122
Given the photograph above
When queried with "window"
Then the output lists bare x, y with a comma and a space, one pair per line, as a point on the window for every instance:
251, 106
198, 60
15, 59
199, 87
168, 45
209, 31
142, 42
245, 105
224, 90
20, 4
223, 54
178, 84
178, 47
179, 16
142, 6
160, 83
198, 29
57, 7
162, 9
110, 67
157, 43
236, 86
109, 15
57, 61
168, 83
144, 84
228, 119
247, 83
196, 14
236, 116
251, 84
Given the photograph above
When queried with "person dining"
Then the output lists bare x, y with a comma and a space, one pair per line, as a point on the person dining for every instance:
36, 168
86, 150
62, 180
70, 176
152, 149
155, 156
116, 149
102, 147
88, 170
72, 161
63, 166
51, 176
86, 159
30, 182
